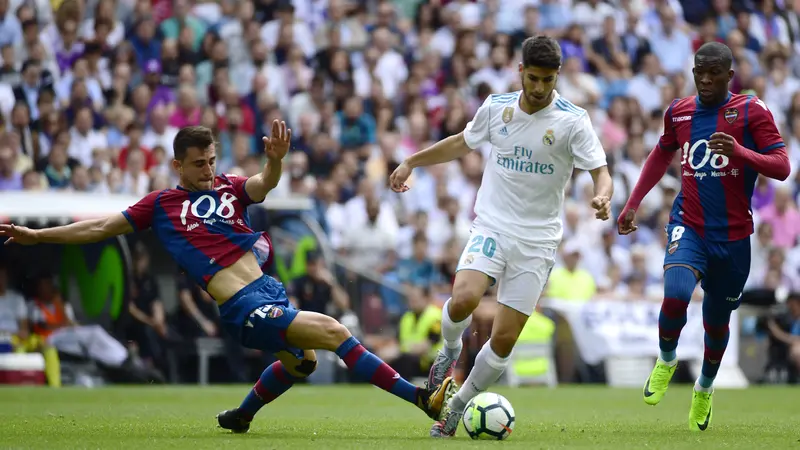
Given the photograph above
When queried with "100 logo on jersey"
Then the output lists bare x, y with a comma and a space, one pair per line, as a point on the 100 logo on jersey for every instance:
206, 205
717, 161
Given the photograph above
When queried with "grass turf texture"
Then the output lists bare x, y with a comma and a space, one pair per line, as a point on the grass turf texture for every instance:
363, 417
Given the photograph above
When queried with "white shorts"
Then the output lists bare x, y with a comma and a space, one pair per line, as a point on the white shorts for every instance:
520, 269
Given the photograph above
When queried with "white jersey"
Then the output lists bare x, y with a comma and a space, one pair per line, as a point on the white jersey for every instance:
532, 159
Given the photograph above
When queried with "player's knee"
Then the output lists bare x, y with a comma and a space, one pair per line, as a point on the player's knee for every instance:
679, 283
335, 334
305, 366
467, 294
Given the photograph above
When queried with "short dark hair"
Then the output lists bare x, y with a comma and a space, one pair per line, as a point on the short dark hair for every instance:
188, 137
716, 50
541, 51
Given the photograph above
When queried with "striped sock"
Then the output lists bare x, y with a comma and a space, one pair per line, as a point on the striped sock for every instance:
716, 319
369, 367
679, 283
274, 381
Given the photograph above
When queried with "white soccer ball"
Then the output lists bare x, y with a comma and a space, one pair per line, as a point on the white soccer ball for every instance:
489, 416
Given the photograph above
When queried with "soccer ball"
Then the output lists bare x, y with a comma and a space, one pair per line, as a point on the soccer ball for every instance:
489, 416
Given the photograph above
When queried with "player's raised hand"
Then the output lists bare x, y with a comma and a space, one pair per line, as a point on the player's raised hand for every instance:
602, 205
277, 145
626, 224
17, 234
722, 144
398, 178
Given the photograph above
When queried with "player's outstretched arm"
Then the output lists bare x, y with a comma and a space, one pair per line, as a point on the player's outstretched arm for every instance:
773, 163
446, 150
275, 147
83, 232
769, 157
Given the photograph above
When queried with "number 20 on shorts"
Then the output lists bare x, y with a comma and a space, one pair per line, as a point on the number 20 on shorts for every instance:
487, 246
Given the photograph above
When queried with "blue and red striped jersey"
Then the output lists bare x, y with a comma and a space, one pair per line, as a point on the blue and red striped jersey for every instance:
204, 231
716, 190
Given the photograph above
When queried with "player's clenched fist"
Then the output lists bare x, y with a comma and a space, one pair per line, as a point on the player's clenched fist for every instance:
277, 145
722, 144
398, 178
626, 222
602, 205
18, 234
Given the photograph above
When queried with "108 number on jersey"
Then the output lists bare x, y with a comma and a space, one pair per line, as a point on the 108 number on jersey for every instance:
225, 209
717, 161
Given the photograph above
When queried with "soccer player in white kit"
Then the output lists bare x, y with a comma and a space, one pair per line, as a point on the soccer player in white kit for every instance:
537, 139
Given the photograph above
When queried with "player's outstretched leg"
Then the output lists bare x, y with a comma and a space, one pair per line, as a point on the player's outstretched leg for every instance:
468, 289
313, 330
679, 284
273, 382
716, 320
491, 362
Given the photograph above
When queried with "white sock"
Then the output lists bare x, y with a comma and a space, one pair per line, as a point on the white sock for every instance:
486, 371
699, 388
451, 333
670, 362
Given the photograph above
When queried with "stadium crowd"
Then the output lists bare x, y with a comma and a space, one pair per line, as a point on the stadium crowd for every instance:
92, 93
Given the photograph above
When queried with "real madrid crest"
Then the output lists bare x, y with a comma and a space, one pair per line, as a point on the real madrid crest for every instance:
731, 114
549, 138
508, 113
468, 260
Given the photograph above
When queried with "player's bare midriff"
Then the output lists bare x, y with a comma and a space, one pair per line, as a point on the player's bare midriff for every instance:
230, 280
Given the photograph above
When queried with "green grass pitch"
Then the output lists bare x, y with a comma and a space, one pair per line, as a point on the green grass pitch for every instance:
311, 417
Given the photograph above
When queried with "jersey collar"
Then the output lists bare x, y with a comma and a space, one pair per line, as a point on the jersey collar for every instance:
181, 188
541, 111
700, 105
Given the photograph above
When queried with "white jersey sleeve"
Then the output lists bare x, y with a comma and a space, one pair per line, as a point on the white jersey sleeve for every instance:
585, 145
477, 131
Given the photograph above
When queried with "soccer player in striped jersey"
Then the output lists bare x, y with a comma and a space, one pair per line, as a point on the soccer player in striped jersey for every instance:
724, 141
537, 140
203, 224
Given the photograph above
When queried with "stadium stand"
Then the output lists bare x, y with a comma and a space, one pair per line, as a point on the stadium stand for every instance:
93, 91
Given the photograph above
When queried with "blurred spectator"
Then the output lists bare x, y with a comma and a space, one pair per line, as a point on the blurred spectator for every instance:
318, 290
148, 327
93, 93
785, 332
418, 270
53, 321
784, 218
418, 336
13, 312
571, 282
10, 179
197, 316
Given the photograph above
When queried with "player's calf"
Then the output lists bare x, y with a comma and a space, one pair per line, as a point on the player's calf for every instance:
679, 284
494, 356
276, 379
716, 320
313, 330
468, 289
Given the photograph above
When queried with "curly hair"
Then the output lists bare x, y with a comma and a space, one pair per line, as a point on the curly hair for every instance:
541, 51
